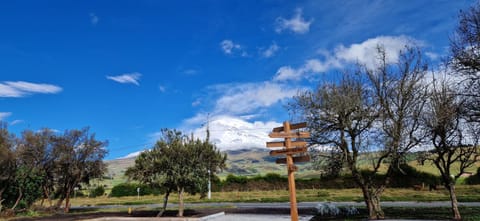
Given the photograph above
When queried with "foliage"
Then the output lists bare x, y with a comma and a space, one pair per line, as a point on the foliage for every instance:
130, 189
40, 163
178, 164
97, 191
475, 179
236, 179
79, 158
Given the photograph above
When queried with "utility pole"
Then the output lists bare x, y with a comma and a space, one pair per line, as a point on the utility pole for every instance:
209, 172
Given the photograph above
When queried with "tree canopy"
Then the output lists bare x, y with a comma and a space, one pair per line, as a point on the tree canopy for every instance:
178, 163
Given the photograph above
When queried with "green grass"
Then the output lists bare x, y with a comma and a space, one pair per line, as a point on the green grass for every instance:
464, 193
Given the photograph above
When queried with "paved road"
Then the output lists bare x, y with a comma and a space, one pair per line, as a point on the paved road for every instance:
286, 205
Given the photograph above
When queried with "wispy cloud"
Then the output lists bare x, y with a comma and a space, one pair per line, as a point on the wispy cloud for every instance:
93, 18
296, 24
162, 88
22, 89
363, 53
270, 51
239, 99
230, 48
4, 115
15, 122
128, 78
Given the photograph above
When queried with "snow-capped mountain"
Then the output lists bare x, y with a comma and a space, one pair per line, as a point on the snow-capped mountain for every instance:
231, 133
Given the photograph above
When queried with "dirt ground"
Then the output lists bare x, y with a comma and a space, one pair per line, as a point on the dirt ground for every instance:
79, 215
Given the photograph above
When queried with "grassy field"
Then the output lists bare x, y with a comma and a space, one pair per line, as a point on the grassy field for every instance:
465, 193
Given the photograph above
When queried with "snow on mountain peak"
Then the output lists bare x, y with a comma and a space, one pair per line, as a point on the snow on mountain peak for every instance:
232, 133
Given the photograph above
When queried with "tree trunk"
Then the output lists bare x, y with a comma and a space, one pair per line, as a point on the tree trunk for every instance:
20, 195
60, 201
453, 199
372, 201
46, 195
67, 201
181, 206
165, 201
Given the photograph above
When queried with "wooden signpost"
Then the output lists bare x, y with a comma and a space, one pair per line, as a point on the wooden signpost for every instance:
292, 147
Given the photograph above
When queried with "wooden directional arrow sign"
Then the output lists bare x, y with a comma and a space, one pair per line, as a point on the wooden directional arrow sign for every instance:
283, 144
288, 151
289, 135
292, 127
295, 159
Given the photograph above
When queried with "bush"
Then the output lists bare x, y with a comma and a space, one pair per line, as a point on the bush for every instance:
236, 179
97, 191
130, 189
406, 176
475, 179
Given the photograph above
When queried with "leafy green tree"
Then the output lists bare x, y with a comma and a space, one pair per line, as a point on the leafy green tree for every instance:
7, 162
35, 151
179, 164
78, 159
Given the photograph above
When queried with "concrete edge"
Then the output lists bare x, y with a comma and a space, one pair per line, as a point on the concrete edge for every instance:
205, 218
213, 216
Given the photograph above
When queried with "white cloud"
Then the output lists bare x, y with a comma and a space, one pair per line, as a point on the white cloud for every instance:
296, 24
15, 122
432, 55
4, 115
196, 103
190, 72
245, 98
270, 51
231, 48
93, 19
311, 67
128, 78
22, 89
228, 46
162, 88
366, 52
363, 53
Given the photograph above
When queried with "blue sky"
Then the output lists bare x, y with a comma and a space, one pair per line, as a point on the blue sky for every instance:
129, 68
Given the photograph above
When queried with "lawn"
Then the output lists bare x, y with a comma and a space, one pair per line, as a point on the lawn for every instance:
465, 193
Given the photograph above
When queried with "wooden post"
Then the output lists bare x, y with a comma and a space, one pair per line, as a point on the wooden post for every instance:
292, 147
291, 177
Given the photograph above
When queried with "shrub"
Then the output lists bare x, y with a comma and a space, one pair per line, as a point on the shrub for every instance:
475, 179
130, 189
97, 191
236, 179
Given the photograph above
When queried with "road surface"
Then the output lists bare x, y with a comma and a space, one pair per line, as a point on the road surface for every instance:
305, 205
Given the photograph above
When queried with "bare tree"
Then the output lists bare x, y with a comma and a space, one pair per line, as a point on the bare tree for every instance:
454, 138
342, 115
401, 94
465, 58
373, 114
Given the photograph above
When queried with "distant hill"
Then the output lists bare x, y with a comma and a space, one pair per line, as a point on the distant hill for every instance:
256, 161
244, 162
